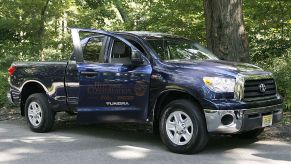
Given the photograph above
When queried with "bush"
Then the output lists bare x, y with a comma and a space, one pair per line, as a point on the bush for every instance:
3, 87
281, 68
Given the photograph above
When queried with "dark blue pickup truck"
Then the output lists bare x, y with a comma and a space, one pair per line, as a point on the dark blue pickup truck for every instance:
175, 85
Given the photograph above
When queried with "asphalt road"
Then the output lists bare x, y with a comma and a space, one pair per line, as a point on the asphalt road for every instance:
99, 144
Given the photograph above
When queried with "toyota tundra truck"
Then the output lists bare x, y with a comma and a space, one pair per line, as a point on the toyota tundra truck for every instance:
172, 84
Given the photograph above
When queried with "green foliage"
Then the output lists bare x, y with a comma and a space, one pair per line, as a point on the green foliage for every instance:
3, 87
185, 18
281, 68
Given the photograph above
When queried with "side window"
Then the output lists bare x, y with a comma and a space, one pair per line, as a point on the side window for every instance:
93, 50
120, 53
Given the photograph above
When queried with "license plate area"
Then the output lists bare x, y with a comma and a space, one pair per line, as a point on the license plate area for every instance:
267, 120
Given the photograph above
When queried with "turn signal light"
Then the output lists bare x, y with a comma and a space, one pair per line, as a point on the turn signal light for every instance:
11, 70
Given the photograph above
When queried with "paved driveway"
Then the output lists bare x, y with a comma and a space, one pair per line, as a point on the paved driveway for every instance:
96, 144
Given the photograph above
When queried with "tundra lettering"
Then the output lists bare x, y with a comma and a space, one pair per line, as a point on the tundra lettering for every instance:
117, 103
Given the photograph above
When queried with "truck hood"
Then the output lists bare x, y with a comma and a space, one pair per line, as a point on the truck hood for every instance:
217, 67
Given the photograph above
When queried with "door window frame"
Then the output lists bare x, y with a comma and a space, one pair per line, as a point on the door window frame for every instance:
78, 51
110, 47
103, 46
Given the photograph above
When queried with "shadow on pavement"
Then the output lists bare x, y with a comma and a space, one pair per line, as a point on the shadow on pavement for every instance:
118, 142
218, 144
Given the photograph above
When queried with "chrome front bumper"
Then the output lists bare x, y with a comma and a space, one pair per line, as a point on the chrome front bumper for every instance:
243, 119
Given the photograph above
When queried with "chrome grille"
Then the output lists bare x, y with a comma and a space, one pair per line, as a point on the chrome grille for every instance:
253, 90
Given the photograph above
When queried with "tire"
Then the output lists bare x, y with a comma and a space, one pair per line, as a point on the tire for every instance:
39, 116
188, 140
249, 134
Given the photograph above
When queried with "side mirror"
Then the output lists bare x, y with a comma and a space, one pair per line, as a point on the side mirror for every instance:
136, 57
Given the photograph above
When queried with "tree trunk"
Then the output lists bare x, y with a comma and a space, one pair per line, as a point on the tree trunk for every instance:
225, 29
41, 29
121, 11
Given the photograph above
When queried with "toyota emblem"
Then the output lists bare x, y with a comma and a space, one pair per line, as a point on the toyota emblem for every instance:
262, 88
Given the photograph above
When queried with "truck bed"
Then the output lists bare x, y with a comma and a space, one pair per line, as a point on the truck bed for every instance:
49, 75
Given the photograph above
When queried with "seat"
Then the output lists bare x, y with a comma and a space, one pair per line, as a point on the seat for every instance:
120, 53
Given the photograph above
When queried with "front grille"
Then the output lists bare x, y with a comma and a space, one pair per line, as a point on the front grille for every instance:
252, 89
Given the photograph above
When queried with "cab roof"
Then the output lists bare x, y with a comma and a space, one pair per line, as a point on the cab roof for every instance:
149, 35
142, 34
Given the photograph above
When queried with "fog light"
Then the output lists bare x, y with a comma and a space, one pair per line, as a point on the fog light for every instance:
227, 119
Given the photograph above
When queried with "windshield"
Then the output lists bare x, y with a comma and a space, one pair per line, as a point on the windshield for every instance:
180, 49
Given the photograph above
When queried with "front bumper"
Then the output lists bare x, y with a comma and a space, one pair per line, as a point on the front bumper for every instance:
243, 119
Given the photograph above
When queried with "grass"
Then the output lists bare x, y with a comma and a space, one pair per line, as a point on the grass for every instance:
3, 87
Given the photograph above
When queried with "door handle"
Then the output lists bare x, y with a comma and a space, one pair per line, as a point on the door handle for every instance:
89, 74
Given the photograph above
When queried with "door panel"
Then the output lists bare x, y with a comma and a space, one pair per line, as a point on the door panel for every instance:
118, 94
72, 85
110, 92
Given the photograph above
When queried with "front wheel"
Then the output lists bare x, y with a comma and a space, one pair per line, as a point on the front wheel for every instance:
39, 116
183, 128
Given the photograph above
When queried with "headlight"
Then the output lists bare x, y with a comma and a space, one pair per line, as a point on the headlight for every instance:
219, 84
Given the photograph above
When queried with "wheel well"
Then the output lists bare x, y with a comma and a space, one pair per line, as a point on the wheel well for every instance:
166, 98
27, 90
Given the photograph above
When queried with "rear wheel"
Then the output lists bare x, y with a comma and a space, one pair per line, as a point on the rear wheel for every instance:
249, 134
40, 117
182, 127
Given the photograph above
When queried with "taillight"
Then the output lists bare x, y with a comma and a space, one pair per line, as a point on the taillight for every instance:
11, 70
